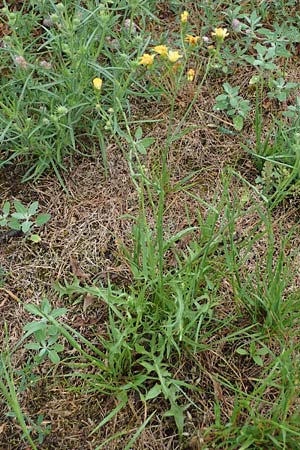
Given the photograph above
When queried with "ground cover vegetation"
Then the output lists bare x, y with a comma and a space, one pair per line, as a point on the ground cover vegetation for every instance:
149, 225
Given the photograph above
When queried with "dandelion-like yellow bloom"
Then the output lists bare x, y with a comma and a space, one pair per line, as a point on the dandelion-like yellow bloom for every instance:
192, 40
162, 50
174, 56
97, 82
220, 33
146, 59
184, 17
190, 74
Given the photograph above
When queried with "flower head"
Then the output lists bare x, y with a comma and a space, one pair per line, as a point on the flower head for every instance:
146, 59
174, 56
21, 62
161, 50
184, 17
192, 40
130, 25
236, 25
61, 110
220, 33
45, 65
97, 82
190, 74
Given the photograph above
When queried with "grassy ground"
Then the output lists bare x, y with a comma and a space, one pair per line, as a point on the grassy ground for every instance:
158, 306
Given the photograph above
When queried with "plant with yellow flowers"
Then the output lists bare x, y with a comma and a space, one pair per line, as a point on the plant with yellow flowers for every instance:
192, 40
220, 34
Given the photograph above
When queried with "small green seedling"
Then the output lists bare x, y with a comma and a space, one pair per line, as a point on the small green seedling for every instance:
23, 219
233, 104
44, 333
254, 352
141, 144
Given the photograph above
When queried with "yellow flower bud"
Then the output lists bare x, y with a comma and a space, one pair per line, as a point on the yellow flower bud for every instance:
97, 82
184, 17
190, 74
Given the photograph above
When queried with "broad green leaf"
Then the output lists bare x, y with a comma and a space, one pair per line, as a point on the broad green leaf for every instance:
59, 312
33, 309
20, 208
146, 142
33, 208
41, 219
138, 133
241, 351
6, 208
35, 238
19, 216
26, 226
154, 392
34, 326
45, 306
141, 149
58, 348
32, 346
258, 360
238, 123
53, 356
14, 224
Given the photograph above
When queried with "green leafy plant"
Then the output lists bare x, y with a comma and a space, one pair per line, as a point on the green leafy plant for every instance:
233, 104
264, 60
280, 89
24, 219
141, 144
255, 352
44, 333
293, 111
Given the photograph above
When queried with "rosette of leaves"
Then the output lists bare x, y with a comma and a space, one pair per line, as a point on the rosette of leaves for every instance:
23, 219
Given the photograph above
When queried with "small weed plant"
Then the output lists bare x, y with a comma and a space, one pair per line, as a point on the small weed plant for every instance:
24, 219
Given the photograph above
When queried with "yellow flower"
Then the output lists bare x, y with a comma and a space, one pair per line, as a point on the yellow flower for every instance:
184, 17
220, 33
192, 40
190, 74
97, 82
174, 56
146, 59
161, 50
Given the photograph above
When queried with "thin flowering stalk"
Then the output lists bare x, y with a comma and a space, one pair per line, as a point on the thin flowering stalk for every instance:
192, 103
183, 19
